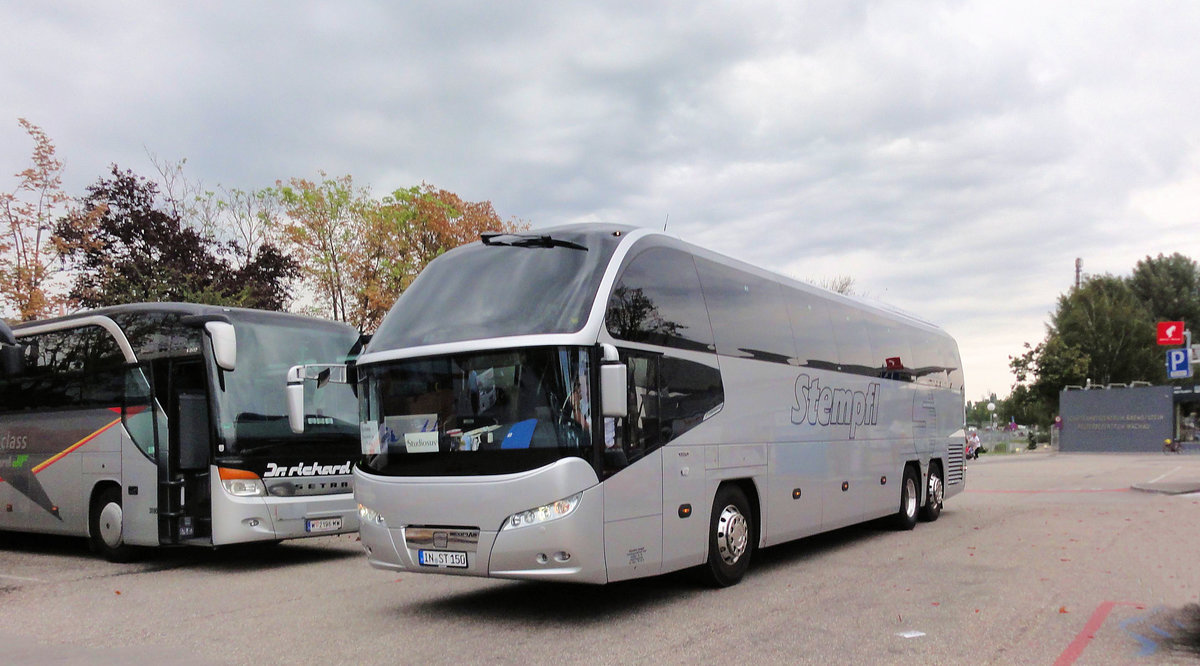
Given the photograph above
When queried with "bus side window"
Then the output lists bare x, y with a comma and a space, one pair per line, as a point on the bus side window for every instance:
139, 414
748, 314
103, 368
658, 301
644, 426
809, 315
11, 362
668, 396
854, 346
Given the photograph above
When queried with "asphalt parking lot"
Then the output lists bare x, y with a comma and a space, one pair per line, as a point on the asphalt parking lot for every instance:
1046, 559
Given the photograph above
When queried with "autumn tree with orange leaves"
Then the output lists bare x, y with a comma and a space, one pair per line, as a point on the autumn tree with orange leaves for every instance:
29, 214
360, 253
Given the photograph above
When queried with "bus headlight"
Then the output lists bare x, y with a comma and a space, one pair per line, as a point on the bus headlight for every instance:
552, 511
241, 483
369, 516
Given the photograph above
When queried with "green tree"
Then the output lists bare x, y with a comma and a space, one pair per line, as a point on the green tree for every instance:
360, 253
29, 213
1107, 322
1169, 287
1100, 333
977, 412
325, 226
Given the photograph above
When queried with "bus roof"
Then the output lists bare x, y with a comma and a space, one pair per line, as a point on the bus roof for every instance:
185, 309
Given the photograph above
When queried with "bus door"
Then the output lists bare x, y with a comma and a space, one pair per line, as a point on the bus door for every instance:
633, 493
185, 511
146, 425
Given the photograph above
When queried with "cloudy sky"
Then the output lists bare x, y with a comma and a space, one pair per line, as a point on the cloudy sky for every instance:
954, 158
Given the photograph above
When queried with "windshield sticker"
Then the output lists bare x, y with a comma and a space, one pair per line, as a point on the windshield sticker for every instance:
483, 389
368, 433
421, 442
419, 432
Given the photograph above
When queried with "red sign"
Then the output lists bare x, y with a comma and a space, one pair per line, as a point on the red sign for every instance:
1170, 332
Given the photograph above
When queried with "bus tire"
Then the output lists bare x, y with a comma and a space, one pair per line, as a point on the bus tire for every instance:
935, 493
730, 537
105, 523
906, 517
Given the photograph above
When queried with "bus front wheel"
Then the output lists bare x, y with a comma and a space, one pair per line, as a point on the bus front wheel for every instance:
730, 537
106, 525
906, 517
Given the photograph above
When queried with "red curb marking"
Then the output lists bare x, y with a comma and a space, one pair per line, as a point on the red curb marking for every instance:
1036, 492
1085, 635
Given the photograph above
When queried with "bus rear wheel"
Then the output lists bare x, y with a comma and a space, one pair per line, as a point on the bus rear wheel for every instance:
106, 524
906, 517
935, 492
730, 537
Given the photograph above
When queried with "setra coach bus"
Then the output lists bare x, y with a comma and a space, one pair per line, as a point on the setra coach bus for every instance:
166, 424
597, 403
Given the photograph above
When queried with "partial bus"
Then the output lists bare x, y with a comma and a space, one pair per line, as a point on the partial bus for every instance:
597, 403
164, 424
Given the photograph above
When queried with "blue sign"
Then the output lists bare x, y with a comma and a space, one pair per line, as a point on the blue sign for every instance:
1178, 365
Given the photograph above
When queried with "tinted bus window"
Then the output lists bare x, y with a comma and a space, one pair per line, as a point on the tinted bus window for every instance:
73, 368
748, 315
498, 291
853, 343
158, 334
890, 350
935, 359
811, 330
658, 301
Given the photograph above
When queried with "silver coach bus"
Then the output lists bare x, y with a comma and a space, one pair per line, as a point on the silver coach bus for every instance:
166, 424
596, 403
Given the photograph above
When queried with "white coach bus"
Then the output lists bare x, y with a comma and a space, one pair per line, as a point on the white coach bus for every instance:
166, 424
596, 403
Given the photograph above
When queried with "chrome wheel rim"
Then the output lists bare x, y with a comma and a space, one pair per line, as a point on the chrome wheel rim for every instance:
733, 534
936, 491
910, 497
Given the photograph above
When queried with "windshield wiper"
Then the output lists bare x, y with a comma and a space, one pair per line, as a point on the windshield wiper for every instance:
528, 240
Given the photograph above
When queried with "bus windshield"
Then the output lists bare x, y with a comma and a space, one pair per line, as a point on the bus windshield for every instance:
478, 414
558, 275
252, 408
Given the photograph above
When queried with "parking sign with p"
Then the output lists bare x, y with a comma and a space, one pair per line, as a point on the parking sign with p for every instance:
1178, 364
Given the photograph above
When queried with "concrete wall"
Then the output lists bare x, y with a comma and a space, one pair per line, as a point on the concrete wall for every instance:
1118, 419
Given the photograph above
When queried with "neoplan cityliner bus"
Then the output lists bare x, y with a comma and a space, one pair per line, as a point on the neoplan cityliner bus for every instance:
166, 424
597, 403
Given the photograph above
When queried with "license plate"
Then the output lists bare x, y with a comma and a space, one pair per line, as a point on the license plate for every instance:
442, 558
322, 525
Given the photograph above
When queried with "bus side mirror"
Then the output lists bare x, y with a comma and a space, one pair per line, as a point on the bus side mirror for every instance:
295, 398
6, 335
322, 373
224, 342
614, 400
